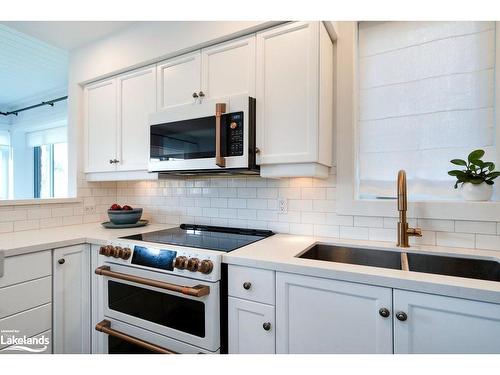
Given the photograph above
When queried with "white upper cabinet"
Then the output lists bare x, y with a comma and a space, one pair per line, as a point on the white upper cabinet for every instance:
179, 80
434, 324
136, 100
117, 128
322, 316
229, 68
100, 126
294, 85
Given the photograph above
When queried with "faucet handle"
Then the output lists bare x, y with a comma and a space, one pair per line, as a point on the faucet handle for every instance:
416, 232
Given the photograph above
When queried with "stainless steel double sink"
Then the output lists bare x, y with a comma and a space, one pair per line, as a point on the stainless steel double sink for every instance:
427, 263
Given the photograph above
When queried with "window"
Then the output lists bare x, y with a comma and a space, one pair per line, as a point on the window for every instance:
50, 170
426, 96
4, 164
50, 162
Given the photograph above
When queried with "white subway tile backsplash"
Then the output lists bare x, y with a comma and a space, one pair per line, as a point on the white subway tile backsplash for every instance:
436, 225
483, 227
487, 242
455, 239
355, 233
245, 202
368, 221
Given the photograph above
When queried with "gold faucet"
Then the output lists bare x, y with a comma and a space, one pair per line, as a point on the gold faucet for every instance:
404, 231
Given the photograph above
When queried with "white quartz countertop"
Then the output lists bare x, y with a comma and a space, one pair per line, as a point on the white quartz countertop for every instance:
279, 253
16, 243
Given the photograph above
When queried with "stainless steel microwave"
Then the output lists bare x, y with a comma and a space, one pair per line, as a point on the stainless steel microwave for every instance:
216, 136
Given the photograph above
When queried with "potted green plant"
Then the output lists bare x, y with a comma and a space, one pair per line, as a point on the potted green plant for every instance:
476, 179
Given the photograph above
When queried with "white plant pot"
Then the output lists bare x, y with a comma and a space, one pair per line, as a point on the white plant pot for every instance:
480, 192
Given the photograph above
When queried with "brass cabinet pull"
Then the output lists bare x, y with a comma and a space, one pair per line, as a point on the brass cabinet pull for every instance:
195, 291
105, 327
220, 161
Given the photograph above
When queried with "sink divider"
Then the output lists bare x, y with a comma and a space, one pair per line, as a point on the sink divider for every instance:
404, 262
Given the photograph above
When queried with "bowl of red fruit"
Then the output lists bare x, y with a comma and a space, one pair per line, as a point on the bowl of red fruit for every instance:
124, 215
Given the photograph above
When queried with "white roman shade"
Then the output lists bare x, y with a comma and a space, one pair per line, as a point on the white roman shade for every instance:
47, 136
4, 138
426, 96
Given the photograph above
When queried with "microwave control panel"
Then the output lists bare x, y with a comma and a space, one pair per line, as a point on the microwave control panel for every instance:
234, 131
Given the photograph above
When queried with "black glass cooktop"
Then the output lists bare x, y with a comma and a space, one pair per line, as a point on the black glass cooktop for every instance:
204, 237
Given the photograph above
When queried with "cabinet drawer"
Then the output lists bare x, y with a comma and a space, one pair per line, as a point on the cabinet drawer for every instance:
48, 349
21, 268
29, 323
25, 296
251, 283
251, 327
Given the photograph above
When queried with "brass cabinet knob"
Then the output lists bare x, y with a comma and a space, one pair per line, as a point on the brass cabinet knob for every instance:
61, 261
384, 312
180, 262
206, 266
401, 316
192, 264
266, 326
247, 285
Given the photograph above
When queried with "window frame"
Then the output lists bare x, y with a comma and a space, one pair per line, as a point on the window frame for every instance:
347, 96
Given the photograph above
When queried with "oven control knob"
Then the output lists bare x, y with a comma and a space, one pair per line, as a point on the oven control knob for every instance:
117, 252
206, 266
106, 250
233, 125
125, 253
192, 264
180, 262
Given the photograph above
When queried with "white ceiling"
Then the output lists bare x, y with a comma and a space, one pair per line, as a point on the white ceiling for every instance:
28, 67
68, 35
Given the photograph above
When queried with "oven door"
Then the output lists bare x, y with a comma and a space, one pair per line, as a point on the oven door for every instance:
117, 337
178, 307
185, 138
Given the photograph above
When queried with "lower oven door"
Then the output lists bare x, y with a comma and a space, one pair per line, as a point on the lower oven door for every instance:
144, 299
121, 338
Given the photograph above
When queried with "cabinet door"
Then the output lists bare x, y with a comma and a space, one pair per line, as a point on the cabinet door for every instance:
287, 93
315, 315
100, 126
71, 326
251, 327
229, 68
178, 79
136, 100
439, 324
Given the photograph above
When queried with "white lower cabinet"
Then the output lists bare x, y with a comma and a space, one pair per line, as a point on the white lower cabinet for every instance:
439, 324
71, 300
315, 315
251, 327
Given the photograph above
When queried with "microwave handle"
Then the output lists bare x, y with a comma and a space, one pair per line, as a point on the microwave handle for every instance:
220, 160
105, 327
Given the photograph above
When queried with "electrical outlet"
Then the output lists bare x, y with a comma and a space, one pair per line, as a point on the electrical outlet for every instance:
283, 205
89, 209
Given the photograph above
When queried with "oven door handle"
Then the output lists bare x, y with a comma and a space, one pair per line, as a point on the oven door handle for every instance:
195, 291
220, 160
105, 327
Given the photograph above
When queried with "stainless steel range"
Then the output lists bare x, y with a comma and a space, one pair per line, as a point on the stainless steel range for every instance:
165, 291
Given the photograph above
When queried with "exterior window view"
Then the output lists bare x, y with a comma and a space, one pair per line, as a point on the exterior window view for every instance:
285, 186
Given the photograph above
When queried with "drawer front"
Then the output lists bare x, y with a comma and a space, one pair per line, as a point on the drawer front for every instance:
24, 296
253, 284
29, 323
41, 348
21, 268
